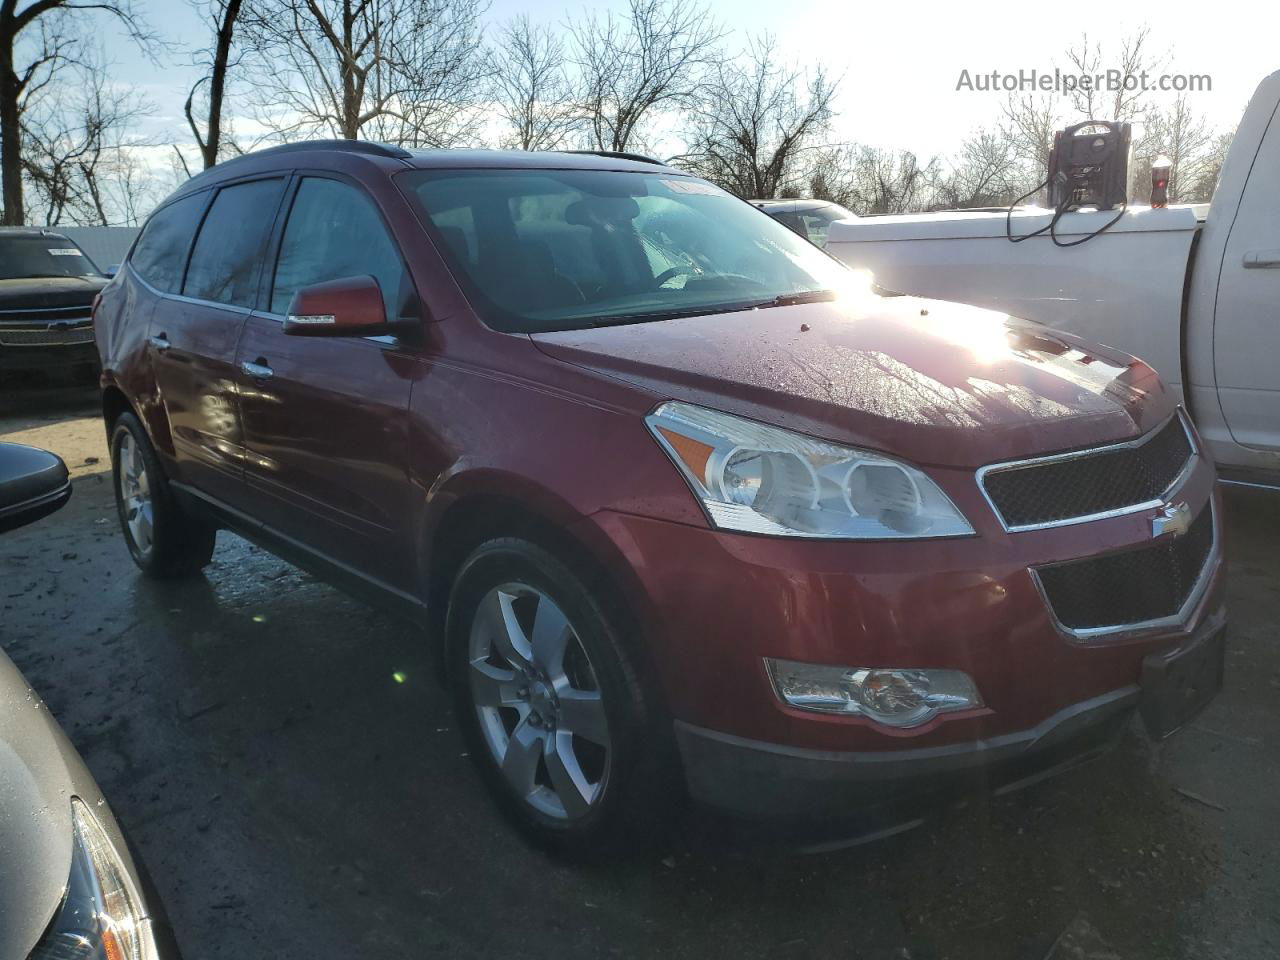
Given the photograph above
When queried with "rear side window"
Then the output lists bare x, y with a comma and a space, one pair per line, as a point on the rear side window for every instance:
228, 252
334, 231
161, 251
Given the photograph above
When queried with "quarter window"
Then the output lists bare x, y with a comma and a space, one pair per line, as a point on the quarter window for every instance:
333, 232
229, 249
161, 251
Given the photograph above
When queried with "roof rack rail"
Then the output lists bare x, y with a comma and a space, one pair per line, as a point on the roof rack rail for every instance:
368, 147
619, 155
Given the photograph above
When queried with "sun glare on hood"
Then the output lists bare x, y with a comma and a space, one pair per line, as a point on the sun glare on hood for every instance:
983, 333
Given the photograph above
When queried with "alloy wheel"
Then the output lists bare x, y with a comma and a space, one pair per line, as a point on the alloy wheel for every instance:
135, 494
539, 703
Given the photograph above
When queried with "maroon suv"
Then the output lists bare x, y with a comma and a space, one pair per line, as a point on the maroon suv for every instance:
686, 504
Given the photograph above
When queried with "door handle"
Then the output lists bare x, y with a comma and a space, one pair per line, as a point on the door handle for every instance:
161, 343
1262, 260
258, 369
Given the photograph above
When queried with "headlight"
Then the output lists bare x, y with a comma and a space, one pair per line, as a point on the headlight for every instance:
102, 916
898, 698
756, 478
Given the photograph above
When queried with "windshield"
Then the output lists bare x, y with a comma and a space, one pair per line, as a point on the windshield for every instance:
542, 250
32, 256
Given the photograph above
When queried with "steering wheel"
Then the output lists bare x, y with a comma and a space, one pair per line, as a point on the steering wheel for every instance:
671, 273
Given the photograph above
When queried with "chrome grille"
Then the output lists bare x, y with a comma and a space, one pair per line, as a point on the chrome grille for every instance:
49, 336
1130, 589
38, 316
1072, 487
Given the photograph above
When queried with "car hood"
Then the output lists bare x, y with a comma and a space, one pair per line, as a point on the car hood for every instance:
39, 773
938, 383
35, 293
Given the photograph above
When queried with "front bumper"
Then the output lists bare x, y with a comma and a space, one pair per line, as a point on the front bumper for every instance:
763, 780
713, 605
753, 779
49, 358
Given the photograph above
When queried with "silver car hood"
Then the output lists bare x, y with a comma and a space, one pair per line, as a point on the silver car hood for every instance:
39, 773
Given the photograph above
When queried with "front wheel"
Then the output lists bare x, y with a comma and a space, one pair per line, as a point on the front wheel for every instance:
164, 541
555, 715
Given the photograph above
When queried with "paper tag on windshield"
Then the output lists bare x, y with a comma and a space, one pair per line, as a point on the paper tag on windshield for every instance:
695, 187
64, 252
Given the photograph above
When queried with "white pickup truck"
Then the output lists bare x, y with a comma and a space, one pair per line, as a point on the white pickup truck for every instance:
1193, 290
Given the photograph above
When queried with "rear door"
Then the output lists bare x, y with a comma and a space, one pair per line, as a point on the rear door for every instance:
193, 337
325, 417
1247, 315
152, 280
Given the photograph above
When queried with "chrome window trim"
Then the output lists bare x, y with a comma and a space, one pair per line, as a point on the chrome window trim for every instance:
384, 339
1010, 465
1250, 484
1175, 621
183, 298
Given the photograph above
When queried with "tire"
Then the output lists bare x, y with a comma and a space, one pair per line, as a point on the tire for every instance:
164, 541
584, 781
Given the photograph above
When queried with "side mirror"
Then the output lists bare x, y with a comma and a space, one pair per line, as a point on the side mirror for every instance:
350, 307
33, 484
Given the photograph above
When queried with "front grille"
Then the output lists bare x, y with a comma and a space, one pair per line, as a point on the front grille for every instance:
45, 336
1132, 587
38, 316
1070, 487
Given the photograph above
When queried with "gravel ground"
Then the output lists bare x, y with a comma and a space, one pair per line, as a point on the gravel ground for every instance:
294, 800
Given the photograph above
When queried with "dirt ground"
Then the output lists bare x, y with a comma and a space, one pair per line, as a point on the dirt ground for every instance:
293, 799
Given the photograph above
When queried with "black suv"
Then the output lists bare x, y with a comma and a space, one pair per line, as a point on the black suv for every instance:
47, 289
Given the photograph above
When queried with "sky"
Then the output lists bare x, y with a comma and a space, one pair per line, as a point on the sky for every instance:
899, 63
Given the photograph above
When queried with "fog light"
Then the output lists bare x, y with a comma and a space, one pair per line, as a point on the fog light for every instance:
898, 698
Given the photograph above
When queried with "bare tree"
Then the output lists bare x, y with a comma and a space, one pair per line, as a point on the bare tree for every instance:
1201, 184
987, 172
1183, 136
404, 71
132, 185
79, 156
223, 16
1029, 122
648, 59
870, 180
828, 177
531, 87
1125, 100
37, 37
756, 120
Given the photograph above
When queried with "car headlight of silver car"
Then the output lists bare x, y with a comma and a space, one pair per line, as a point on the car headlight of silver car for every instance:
756, 478
102, 916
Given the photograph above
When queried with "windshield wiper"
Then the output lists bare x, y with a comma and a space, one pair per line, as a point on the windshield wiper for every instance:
792, 299
653, 317
782, 300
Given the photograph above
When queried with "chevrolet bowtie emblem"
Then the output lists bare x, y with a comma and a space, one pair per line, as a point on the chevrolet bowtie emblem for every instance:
1173, 519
